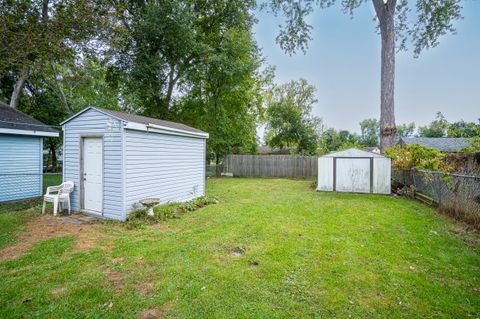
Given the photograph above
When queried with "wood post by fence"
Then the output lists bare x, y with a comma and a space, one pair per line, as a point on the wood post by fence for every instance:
271, 166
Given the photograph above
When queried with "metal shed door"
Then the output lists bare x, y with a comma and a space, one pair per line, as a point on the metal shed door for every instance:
93, 174
353, 175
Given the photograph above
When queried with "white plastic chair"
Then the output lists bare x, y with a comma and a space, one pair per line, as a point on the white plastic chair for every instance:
62, 195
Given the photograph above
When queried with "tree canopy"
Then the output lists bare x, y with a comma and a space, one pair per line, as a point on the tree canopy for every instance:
190, 61
289, 119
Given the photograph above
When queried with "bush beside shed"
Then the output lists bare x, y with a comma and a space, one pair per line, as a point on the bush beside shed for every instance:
117, 159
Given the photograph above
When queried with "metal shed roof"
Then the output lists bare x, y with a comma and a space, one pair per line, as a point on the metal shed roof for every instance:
12, 121
352, 152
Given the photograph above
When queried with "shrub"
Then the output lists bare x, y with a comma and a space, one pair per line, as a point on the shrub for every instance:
474, 146
204, 201
175, 209
170, 210
417, 157
138, 213
138, 218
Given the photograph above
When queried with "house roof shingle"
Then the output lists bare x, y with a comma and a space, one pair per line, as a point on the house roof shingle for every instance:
149, 120
13, 119
443, 144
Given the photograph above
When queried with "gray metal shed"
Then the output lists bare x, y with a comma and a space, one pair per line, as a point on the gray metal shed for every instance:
116, 159
354, 171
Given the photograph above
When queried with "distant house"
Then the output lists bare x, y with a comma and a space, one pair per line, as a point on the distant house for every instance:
443, 144
372, 149
266, 150
21, 148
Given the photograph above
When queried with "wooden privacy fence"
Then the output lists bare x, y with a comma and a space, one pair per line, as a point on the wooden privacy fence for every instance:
271, 166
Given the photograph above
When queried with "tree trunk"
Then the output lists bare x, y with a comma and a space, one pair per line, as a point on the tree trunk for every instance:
386, 16
218, 171
172, 81
18, 87
60, 90
53, 155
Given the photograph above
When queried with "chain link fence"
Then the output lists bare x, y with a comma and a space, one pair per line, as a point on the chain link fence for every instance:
211, 170
456, 195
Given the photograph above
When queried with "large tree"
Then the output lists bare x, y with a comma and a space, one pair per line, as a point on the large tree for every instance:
433, 18
35, 35
406, 130
289, 119
369, 129
166, 41
463, 129
331, 140
221, 91
436, 128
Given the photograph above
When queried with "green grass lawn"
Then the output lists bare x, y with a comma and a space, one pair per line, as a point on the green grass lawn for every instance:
271, 248
11, 221
51, 179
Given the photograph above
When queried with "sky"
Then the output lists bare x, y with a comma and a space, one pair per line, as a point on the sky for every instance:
343, 63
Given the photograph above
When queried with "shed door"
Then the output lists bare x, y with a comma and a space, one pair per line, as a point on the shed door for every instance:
93, 174
353, 175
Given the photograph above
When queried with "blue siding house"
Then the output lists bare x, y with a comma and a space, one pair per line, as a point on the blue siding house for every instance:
21, 149
116, 159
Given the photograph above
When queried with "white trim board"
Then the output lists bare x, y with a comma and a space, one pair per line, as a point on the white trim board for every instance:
30, 133
162, 129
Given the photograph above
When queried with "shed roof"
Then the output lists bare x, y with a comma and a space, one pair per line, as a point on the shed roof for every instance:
148, 121
12, 121
353, 152
444, 144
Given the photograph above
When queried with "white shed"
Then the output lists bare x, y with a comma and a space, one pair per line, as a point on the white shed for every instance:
116, 159
354, 171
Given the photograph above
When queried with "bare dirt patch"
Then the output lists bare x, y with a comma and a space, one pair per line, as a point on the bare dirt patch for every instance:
145, 288
237, 252
58, 291
45, 227
115, 278
219, 258
157, 313
118, 260
467, 234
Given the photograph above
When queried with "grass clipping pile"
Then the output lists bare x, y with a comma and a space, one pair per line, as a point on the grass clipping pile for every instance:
139, 218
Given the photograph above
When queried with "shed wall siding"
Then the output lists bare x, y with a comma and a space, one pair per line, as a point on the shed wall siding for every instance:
93, 122
20, 167
168, 167
382, 175
325, 174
